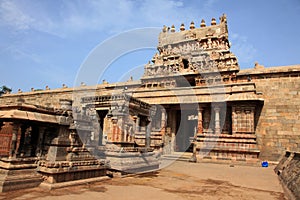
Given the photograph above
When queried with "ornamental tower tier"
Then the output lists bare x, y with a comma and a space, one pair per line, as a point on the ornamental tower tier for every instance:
196, 55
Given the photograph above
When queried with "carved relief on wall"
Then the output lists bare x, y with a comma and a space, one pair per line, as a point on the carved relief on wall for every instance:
180, 48
243, 119
168, 83
193, 51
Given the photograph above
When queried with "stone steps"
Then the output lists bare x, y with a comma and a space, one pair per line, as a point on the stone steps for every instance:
179, 156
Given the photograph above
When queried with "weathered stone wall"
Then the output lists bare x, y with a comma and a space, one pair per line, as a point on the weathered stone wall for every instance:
288, 171
278, 127
49, 98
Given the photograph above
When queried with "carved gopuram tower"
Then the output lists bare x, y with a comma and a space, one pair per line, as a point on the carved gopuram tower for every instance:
197, 54
204, 109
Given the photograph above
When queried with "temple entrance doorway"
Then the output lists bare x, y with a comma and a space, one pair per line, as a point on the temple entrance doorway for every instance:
101, 116
187, 121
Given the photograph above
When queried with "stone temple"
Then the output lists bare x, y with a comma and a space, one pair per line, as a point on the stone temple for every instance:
192, 97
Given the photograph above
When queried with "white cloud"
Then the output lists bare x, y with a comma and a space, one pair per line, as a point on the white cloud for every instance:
69, 17
12, 15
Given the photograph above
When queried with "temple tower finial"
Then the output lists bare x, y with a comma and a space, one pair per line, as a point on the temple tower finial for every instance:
213, 22
173, 28
192, 25
202, 23
165, 28
182, 28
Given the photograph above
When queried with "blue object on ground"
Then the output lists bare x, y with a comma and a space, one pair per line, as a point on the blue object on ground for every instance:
264, 164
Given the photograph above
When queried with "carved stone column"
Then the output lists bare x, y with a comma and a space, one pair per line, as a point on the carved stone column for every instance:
114, 130
252, 120
107, 129
234, 120
200, 124
124, 133
131, 134
206, 120
40, 141
13, 146
163, 123
148, 134
172, 121
137, 124
121, 129
217, 120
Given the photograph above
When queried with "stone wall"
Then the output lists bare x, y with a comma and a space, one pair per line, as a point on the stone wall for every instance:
51, 97
288, 171
278, 127
47, 98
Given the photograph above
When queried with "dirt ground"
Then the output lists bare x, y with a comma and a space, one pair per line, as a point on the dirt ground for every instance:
180, 181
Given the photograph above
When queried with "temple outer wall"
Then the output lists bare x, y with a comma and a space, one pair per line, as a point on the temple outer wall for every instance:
278, 128
51, 97
48, 98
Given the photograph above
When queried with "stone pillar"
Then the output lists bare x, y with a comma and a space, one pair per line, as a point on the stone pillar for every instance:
200, 124
131, 134
121, 130
252, 120
172, 121
217, 120
107, 129
163, 123
206, 120
125, 133
137, 124
40, 141
13, 146
114, 129
234, 121
148, 134
199, 131
173, 125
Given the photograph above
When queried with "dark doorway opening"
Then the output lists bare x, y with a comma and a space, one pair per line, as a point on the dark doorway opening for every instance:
101, 114
187, 121
185, 63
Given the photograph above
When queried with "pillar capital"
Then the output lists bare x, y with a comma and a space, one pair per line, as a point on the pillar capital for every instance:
200, 108
217, 109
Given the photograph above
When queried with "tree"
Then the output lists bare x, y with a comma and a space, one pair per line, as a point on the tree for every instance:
4, 89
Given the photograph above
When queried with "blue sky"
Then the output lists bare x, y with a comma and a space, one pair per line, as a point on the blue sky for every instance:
46, 42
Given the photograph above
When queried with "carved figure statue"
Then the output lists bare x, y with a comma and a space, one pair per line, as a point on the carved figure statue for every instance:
214, 44
209, 43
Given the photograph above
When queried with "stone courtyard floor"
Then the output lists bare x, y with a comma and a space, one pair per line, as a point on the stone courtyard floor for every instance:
179, 180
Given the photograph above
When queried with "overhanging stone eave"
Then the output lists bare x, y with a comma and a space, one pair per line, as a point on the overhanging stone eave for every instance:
12, 115
233, 99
